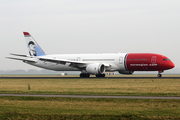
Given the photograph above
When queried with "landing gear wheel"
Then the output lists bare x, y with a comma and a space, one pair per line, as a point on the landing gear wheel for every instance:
100, 75
159, 75
83, 75
103, 75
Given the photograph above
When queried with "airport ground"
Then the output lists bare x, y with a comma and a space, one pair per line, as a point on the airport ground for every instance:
89, 108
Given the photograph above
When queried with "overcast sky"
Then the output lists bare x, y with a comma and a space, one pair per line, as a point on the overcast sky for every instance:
90, 26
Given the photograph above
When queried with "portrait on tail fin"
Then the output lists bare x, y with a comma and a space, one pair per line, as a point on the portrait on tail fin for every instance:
32, 47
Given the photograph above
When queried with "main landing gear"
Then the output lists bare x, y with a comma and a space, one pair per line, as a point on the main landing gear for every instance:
159, 73
100, 75
84, 75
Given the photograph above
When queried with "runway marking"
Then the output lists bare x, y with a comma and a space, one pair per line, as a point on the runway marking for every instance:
91, 96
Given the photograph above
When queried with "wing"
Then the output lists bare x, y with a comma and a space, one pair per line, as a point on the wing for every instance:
76, 64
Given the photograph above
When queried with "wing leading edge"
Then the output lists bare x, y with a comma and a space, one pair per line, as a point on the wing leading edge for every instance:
75, 64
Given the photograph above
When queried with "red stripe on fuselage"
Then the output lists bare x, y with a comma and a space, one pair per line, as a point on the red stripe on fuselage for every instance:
147, 62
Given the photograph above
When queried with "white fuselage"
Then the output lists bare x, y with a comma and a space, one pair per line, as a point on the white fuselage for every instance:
116, 61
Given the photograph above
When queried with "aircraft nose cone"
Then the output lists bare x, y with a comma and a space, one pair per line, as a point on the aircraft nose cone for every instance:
171, 65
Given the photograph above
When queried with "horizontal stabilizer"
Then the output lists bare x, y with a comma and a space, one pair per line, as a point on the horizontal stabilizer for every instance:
18, 55
24, 59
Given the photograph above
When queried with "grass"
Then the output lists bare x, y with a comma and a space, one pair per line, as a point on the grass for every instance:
77, 108
142, 87
41, 108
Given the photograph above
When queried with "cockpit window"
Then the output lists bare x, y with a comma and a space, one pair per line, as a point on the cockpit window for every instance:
166, 59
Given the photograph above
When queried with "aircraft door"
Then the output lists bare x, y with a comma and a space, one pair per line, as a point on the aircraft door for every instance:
78, 59
153, 59
120, 60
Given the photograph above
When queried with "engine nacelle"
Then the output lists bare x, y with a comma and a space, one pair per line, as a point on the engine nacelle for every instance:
126, 72
95, 68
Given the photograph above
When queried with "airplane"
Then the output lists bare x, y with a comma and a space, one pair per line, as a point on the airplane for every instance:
93, 64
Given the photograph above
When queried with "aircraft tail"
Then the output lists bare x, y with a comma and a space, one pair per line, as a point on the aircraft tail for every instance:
33, 47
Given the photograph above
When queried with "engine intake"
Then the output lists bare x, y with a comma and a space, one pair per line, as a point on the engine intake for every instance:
95, 68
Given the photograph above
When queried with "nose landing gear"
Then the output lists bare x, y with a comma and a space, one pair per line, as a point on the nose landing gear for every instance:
159, 73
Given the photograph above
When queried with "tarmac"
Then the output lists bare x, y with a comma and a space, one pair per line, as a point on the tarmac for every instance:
92, 96
89, 78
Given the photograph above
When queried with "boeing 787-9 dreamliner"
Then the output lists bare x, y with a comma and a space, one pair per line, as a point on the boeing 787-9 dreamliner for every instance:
93, 64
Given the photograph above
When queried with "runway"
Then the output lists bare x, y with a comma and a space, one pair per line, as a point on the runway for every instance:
91, 96
89, 78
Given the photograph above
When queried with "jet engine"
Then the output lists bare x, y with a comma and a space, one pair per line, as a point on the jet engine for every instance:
95, 68
126, 72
